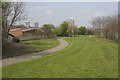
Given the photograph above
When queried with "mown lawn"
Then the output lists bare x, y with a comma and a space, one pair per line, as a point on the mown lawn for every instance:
85, 57
41, 45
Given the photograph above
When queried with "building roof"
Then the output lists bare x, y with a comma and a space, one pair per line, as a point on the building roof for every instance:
28, 29
24, 29
15, 29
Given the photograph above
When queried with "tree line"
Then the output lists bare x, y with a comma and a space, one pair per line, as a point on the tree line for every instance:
64, 29
106, 27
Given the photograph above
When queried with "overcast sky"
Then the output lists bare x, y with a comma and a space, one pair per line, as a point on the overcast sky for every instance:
57, 12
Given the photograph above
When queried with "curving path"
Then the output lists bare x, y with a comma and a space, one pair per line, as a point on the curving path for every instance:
22, 58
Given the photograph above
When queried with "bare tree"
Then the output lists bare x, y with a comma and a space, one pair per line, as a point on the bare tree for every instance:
97, 24
112, 25
11, 13
106, 26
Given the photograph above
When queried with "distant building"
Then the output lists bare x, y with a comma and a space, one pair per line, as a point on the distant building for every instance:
27, 24
17, 26
71, 21
36, 24
19, 32
71, 26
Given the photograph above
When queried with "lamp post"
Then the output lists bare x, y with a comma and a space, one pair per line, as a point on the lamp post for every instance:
101, 30
72, 25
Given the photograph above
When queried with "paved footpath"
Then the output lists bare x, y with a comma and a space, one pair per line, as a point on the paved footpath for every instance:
22, 58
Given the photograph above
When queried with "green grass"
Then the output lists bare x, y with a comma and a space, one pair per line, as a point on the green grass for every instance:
85, 57
41, 45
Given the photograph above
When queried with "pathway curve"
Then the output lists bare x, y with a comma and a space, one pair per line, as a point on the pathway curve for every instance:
22, 58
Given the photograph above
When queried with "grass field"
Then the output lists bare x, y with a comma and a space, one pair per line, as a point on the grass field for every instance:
85, 57
41, 45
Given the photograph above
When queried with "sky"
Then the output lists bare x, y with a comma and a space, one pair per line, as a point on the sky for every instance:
57, 12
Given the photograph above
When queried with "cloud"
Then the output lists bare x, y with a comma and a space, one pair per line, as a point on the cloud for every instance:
43, 10
97, 14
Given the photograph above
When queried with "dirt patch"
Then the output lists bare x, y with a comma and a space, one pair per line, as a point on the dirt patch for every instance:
16, 49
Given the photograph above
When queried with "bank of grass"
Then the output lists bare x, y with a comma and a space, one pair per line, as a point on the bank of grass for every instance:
85, 57
41, 45
30, 46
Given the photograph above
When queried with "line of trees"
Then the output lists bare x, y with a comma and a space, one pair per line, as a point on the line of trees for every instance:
66, 30
106, 26
50, 31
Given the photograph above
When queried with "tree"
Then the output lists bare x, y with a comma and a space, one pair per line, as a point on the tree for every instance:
82, 30
89, 31
111, 28
76, 30
56, 31
0, 4
47, 30
106, 26
64, 29
97, 24
0, 15
11, 13
38, 33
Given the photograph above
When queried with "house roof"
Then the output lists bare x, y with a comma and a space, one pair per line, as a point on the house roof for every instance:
24, 29
28, 29
15, 29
